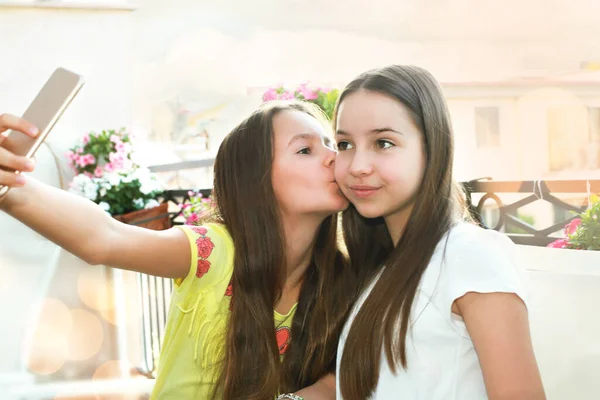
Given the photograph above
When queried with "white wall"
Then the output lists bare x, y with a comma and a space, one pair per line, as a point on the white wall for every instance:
96, 44
211, 52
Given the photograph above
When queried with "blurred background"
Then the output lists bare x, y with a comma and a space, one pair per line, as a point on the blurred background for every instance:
522, 79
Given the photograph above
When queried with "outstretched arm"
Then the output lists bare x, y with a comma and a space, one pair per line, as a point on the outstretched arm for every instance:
82, 227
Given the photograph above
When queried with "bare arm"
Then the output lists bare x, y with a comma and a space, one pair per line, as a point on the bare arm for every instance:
83, 228
499, 327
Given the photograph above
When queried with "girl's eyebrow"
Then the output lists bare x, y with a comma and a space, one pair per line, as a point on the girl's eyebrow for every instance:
386, 129
372, 131
302, 136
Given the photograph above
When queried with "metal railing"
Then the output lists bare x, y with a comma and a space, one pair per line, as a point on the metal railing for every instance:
156, 292
533, 191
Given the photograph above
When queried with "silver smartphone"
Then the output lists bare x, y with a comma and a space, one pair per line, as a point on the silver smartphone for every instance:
45, 110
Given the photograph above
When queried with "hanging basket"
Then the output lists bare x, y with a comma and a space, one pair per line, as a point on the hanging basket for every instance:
156, 218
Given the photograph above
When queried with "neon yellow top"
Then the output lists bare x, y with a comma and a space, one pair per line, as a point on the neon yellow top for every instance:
194, 341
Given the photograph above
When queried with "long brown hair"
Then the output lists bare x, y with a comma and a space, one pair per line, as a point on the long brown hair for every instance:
436, 208
247, 206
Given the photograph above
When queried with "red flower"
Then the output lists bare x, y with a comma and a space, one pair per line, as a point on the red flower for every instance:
572, 226
203, 267
283, 336
200, 230
205, 246
559, 244
229, 290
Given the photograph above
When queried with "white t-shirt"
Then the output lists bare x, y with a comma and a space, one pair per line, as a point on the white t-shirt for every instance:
442, 362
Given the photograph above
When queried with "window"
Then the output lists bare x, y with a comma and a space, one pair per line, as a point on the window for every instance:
594, 138
559, 125
487, 126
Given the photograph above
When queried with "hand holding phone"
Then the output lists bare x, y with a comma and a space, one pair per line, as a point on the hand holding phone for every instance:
10, 162
19, 145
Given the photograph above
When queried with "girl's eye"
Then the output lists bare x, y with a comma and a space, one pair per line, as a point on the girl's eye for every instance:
343, 145
384, 144
305, 150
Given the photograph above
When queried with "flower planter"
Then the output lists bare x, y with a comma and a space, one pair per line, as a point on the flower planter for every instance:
563, 298
156, 218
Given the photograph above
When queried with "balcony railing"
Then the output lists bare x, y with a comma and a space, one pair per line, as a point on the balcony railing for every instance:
553, 192
155, 292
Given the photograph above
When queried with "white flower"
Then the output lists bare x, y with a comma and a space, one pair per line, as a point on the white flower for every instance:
149, 184
91, 191
85, 186
102, 191
152, 203
127, 178
141, 173
138, 203
147, 187
105, 206
112, 179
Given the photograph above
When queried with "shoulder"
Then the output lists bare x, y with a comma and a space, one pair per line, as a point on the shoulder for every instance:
212, 231
471, 243
481, 259
211, 252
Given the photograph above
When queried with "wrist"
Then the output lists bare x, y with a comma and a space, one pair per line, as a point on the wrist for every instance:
10, 198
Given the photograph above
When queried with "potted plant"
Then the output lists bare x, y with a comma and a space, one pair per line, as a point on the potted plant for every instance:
583, 232
107, 175
197, 208
325, 98
97, 153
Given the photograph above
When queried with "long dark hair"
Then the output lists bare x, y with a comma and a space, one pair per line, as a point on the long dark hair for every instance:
247, 206
436, 208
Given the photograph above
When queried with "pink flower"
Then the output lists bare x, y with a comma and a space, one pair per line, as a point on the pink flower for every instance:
287, 95
192, 219
109, 167
117, 160
572, 226
269, 95
115, 139
122, 147
80, 160
306, 92
559, 244
98, 172
86, 139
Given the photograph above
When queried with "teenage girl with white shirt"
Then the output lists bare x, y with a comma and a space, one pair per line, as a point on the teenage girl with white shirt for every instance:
444, 316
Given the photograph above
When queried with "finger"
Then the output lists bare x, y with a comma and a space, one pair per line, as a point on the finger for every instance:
11, 179
18, 163
9, 121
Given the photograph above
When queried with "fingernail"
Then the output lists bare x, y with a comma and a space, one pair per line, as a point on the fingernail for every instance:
20, 180
30, 165
34, 131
